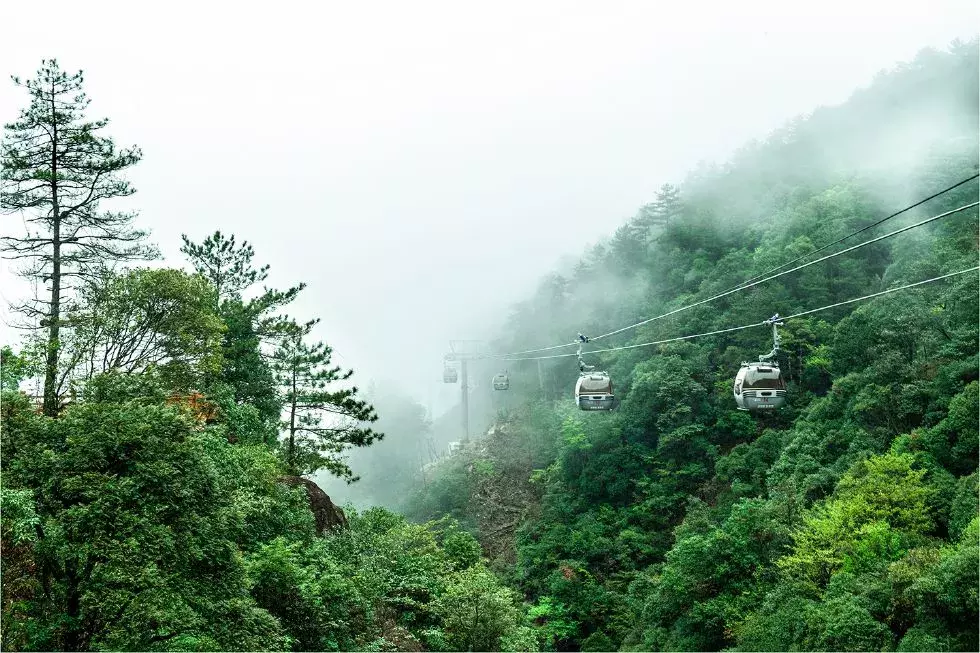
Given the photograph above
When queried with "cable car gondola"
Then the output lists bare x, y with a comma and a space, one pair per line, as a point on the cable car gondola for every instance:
760, 386
501, 381
594, 391
450, 375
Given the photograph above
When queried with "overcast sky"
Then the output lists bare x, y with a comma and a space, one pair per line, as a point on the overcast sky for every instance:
419, 164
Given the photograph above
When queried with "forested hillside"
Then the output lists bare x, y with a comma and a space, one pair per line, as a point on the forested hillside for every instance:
847, 521
161, 420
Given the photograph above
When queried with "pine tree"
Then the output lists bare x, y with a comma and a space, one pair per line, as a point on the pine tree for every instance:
57, 168
250, 323
320, 423
668, 204
230, 270
227, 267
662, 210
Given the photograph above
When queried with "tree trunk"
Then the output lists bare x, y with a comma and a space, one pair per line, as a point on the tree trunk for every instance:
74, 639
476, 622
51, 403
291, 462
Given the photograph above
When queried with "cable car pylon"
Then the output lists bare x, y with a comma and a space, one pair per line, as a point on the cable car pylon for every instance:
463, 351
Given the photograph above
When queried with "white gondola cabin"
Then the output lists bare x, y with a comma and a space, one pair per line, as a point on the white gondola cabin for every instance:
450, 375
760, 387
594, 391
501, 381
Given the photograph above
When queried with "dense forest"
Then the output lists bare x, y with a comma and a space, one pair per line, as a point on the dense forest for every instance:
161, 420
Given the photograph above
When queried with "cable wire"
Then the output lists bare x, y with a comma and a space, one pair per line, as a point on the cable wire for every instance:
757, 324
791, 270
879, 294
861, 230
532, 351
762, 278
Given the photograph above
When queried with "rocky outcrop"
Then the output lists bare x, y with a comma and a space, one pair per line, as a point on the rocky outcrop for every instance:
502, 496
398, 637
329, 516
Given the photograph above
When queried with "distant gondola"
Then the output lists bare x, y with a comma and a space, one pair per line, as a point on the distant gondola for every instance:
450, 375
501, 381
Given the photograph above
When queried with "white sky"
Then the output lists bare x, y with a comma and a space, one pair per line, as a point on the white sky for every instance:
421, 164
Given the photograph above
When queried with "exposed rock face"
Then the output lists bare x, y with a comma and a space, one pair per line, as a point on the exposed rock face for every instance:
328, 515
397, 636
502, 496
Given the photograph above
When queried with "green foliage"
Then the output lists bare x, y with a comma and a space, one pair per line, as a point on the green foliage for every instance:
136, 538
228, 267
149, 531
243, 421
523, 638
117, 387
664, 396
250, 321
713, 576
446, 493
953, 441
879, 502
552, 623
245, 370
598, 641
946, 595
966, 504
14, 368
307, 379
147, 318
383, 583
477, 611
306, 592
19, 516
462, 549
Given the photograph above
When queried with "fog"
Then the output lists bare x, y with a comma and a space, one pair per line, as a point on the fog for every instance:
422, 165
